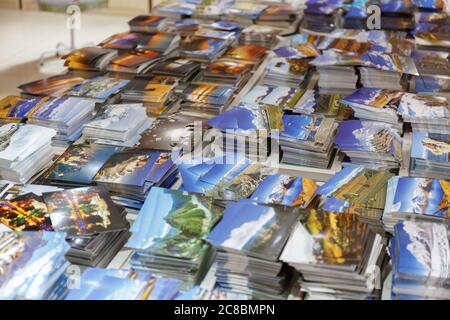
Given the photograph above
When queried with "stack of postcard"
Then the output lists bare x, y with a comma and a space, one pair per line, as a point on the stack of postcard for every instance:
425, 113
312, 102
307, 140
89, 58
135, 61
31, 264
338, 256
416, 199
79, 164
174, 10
248, 52
281, 15
168, 235
226, 72
17, 109
211, 32
96, 228
100, 88
130, 174
186, 27
285, 71
375, 104
243, 129
320, 16
114, 284
245, 12
279, 96
360, 189
158, 41
180, 68
205, 100
157, 93
432, 35
55, 86
264, 36
66, 115
202, 49
375, 145
386, 70
249, 246
430, 155
147, 23
120, 125
397, 15
431, 62
214, 293
24, 150
431, 85
420, 261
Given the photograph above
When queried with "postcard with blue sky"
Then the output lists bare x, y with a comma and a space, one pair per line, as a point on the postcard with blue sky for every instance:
300, 127
23, 275
261, 231
342, 177
431, 146
112, 284
416, 240
419, 196
285, 190
241, 118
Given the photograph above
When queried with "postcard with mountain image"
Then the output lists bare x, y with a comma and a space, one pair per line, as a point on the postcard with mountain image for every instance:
261, 232
390, 62
422, 250
171, 220
25, 213
114, 284
128, 167
80, 163
357, 185
53, 85
423, 106
15, 107
431, 146
419, 196
369, 136
242, 117
23, 256
327, 238
372, 97
84, 211
299, 127
285, 190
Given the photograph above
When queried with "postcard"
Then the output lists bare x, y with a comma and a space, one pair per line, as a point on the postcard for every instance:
98, 87
262, 231
25, 213
22, 257
175, 66
171, 220
248, 52
15, 107
114, 284
201, 47
242, 117
83, 211
52, 86
421, 196
64, 109
372, 97
298, 51
224, 67
431, 146
135, 58
129, 167
87, 58
301, 127
416, 240
125, 41
424, 106
285, 190
205, 93
158, 41
369, 136
357, 185
146, 21
328, 238
80, 163
121, 117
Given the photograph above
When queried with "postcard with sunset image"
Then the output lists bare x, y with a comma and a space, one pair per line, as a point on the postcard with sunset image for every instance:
248, 52
53, 86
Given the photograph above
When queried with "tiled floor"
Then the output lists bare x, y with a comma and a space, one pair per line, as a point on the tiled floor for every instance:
25, 35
